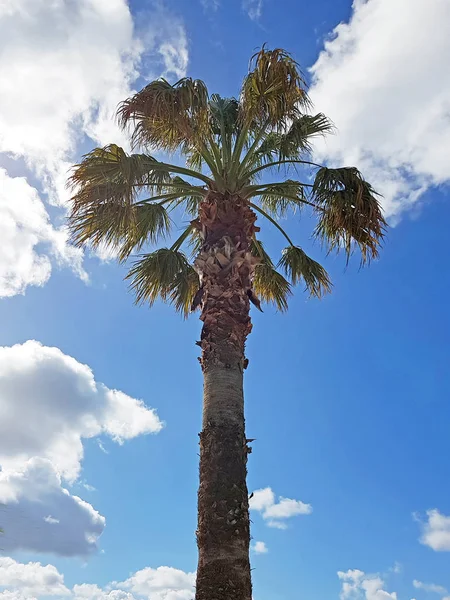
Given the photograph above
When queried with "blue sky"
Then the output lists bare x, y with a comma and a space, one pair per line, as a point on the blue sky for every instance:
347, 397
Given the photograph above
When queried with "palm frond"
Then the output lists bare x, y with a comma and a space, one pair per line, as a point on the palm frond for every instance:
295, 143
279, 198
110, 173
165, 274
119, 225
268, 283
194, 158
351, 215
297, 140
267, 151
165, 116
299, 266
191, 196
223, 114
274, 89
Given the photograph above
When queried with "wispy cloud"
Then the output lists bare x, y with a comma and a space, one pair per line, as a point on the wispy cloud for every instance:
210, 4
253, 8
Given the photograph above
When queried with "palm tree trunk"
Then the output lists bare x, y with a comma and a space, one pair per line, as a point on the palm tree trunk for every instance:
225, 266
223, 534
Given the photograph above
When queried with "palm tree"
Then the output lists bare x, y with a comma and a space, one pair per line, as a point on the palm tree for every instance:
218, 264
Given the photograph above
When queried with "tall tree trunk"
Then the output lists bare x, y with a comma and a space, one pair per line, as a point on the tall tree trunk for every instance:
226, 266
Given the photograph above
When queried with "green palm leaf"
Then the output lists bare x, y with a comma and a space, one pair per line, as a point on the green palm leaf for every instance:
166, 274
268, 284
299, 266
279, 198
120, 225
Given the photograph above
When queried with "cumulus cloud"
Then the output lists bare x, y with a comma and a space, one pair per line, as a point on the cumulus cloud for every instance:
40, 384
163, 583
30, 580
65, 67
260, 548
390, 102
42, 516
357, 585
29, 240
436, 531
273, 512
21, 581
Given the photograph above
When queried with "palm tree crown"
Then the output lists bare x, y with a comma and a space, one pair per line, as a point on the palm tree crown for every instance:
126, 200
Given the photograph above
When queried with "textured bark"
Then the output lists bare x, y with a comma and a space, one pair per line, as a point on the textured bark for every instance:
225, 266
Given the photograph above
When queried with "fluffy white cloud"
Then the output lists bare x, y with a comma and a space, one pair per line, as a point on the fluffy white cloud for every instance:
357, 585
389, 101
42, 516
89, 591
65, 67
436, 531
260, 548
40, 384
273, 512
29, 580
28, 239
23, 581
163, 583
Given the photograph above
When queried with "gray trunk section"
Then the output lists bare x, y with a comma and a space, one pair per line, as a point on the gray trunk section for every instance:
223, 396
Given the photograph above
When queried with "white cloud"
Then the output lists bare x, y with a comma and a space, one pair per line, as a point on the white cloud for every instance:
390, 102
163, 583
42, 516
40, 384
32, 579
436, 531
253, 8
357, 585
65, 67
22, 581
262, 499
28, 239
88, 591
430, 587
273, 512
260, 548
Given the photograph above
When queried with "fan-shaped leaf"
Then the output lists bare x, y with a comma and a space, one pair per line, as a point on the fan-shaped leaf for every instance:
164, 274
299, 266
274, 89
121, 226
166, 116
279, 198
350, 214
268, 283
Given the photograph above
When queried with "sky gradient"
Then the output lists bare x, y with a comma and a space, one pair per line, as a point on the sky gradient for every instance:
347, 397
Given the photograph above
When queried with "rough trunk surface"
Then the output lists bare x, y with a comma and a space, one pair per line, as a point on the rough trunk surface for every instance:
225, 266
